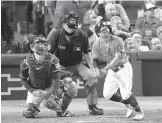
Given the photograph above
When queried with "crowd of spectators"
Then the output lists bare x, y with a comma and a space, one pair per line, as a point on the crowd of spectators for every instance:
146, 34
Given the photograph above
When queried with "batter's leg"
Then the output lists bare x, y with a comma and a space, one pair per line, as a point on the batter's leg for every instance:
124, 77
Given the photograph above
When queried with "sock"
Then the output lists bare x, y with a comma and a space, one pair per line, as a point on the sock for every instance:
66, 100
91, 107
137, 108
133, 102
117, 98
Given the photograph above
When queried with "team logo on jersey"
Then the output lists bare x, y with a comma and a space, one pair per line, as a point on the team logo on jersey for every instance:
38, 68
62, 47
77, 48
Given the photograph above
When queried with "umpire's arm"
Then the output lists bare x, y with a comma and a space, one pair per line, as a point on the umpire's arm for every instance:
95, 54
52, 40
86, 51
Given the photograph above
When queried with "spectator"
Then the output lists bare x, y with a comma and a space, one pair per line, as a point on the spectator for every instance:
90, 19
158, 10
159, 33
38, 17
110, 11
149, 20
137, 37
156, 44
130, 47
18, 35
48, 28
118, 28
4, 47
63, 7
49, 18
107, 11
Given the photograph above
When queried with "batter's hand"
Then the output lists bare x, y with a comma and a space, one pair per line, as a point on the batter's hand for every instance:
39, 93
103, 72
97, 72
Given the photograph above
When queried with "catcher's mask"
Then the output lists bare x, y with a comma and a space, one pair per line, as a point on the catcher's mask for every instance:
102, 26
71, 19
38, 45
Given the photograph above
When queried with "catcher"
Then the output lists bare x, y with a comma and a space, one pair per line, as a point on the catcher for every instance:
40, 74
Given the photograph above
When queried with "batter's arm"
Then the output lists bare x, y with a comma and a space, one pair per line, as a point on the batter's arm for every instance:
113, 62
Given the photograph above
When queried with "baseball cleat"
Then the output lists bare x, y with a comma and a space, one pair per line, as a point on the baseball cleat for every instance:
98, 108
130, 110
65, 114
139, 116
95, 111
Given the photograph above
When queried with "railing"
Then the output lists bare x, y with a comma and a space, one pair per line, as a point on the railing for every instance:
147, 80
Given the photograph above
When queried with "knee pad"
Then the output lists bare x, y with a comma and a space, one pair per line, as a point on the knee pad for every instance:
30, 111
72, 89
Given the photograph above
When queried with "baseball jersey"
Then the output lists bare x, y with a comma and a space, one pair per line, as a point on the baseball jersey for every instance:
39, 75
68, 49
106, 52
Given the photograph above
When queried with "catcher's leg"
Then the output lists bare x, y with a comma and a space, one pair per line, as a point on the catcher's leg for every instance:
30, 110
89, 77
70, 90
32, 104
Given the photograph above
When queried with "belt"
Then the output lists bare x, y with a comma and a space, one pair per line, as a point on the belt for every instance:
118, 68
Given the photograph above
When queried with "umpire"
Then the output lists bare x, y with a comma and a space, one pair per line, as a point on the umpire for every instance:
70, 45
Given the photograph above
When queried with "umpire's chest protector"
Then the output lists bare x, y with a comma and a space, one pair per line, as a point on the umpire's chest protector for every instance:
40, 73
69, 50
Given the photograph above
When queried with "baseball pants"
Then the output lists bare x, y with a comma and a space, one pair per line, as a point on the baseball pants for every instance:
121, 79
86, 75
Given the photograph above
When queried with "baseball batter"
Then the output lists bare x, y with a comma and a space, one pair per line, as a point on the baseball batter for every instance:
118, 70
40, 74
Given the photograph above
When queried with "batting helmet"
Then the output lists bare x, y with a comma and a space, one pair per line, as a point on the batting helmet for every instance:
100, 25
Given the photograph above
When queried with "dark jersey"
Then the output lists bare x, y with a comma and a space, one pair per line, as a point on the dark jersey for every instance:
39, 75
68, 49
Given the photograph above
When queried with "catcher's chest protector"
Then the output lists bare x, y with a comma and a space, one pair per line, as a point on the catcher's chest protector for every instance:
40, 72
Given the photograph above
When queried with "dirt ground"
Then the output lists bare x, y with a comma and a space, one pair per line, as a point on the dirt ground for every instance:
11, 112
